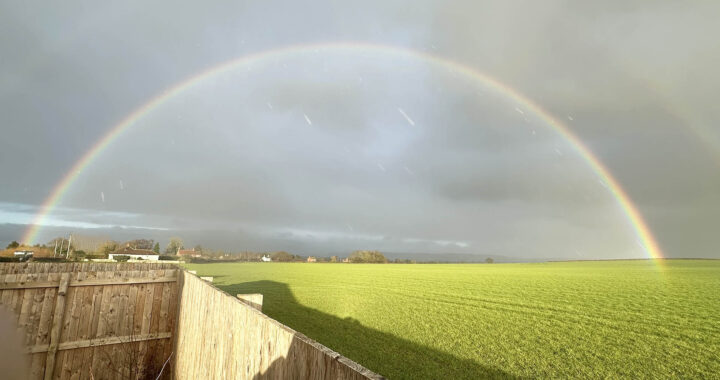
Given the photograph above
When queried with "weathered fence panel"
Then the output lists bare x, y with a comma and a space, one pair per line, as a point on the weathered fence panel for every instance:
220, 337
111, 320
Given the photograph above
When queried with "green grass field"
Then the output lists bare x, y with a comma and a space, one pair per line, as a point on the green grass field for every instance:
627, 319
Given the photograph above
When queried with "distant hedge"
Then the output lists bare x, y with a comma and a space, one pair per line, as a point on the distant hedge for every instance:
204, 260
9, 259
200, 260
169, 257
49, 259
121, 258
96, 257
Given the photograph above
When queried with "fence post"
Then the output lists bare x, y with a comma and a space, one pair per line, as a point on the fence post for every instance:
255, 300
56, 325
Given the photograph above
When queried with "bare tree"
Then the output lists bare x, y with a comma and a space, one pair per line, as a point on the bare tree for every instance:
174, 245
108, 247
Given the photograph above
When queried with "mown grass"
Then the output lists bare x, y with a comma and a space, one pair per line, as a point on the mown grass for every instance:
619, 319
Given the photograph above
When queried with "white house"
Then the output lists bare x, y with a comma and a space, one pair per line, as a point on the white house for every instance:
134, 257
266, 258
135, 254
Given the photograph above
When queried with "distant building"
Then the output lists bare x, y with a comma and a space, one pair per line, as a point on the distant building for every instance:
22, 254
135, 254
311, 259
266, 258
346, 260
188, 253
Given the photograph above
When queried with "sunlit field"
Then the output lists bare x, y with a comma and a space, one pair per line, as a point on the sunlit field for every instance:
631, 319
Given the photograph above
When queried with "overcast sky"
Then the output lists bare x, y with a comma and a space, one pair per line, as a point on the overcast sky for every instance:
333, 150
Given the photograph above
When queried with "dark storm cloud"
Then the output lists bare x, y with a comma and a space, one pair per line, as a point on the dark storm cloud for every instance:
636, 81
329, 151
275, 171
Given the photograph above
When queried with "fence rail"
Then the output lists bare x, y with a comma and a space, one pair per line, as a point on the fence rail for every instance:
88, 282
100, 342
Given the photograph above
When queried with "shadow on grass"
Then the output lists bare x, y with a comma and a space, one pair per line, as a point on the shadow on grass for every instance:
381, 352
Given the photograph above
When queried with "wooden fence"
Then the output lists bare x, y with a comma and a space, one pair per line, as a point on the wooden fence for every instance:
111, 320
35, 267
125, 320
221, 337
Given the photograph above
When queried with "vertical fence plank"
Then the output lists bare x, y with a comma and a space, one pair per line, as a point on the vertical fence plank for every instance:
164, 324
84, 324
43, 328
7, 294
110, 352
99, 304
56, 325
26, 302
18, 297
154, 327
148, 297
70, 326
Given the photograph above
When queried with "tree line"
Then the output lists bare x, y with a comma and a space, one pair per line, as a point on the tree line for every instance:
66, 248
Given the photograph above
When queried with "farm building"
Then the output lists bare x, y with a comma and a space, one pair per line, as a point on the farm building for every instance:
311, 259
188, 253
266, 258
141, 320
135, 254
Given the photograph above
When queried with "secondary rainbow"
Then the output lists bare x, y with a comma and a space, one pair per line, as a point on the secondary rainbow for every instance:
644, 234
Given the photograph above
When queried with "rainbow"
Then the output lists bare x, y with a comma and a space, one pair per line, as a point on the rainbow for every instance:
644, 234
706, 136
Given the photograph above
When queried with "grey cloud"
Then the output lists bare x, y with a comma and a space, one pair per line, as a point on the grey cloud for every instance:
219, 166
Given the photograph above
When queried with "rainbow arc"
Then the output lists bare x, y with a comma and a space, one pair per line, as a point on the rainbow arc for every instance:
639, 225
